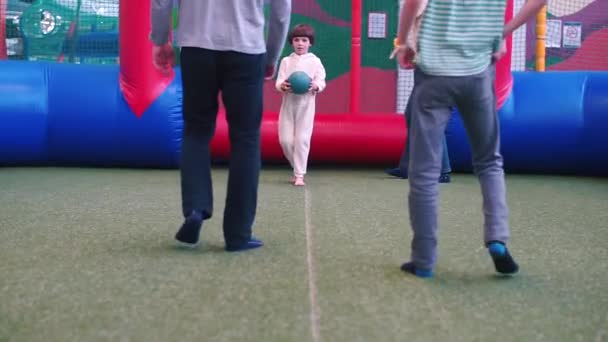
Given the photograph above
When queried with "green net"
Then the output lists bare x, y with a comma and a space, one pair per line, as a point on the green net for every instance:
78, 31
576, 37
378, 74
86, 31
332, 21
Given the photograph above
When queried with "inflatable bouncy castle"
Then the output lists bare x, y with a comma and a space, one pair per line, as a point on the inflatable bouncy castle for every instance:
129, 115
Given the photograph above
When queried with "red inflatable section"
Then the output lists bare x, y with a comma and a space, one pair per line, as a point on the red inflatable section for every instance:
337, 138
140, 82
504, 78
370, 138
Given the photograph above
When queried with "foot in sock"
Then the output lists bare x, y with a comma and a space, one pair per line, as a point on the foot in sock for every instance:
189, 232
253, 243
418, 272
503, 261
396, 172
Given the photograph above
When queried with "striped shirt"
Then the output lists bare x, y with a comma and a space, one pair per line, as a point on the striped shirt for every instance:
457, 37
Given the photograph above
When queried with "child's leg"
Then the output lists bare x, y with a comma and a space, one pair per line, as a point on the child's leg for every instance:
478, 110
430, 113
445, 158
286, 131
303, 133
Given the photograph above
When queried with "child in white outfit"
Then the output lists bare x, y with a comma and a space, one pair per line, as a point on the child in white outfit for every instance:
296, 118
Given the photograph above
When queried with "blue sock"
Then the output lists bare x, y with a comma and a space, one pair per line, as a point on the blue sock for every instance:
497, 249
418, 272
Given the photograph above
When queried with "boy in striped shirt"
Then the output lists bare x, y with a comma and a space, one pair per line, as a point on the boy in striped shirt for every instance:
458, 42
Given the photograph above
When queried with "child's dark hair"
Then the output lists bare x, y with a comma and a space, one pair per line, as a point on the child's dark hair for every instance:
302, 30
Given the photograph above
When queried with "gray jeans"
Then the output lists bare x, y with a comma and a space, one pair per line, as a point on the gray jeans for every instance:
432, 100
404, 161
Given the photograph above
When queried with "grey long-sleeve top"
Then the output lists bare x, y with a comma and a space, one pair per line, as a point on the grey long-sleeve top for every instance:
224, 25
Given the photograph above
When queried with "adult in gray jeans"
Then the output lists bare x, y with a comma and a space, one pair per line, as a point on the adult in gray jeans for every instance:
455, 68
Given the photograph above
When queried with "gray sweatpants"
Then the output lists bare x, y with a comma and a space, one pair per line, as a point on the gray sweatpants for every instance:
431, 102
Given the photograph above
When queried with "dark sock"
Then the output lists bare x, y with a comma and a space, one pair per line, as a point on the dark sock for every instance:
445, 177
253, 243
190, 230
396, 172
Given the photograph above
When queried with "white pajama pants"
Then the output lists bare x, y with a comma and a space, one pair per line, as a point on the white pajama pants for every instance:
296, 121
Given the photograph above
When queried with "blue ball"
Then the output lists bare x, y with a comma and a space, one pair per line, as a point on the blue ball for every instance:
300, 82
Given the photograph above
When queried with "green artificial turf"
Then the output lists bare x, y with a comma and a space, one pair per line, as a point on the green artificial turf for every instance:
88, 255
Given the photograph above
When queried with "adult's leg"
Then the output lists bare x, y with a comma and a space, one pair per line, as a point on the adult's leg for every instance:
478, 110
429, 116
445, 158
242, 81
200, 105
401, 170
404, 161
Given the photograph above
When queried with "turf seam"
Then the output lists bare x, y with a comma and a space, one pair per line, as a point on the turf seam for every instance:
315, 310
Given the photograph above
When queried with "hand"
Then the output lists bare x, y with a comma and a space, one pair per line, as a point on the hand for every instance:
163, 58
270, 71
405, 56
286, 87
499, 50
313, 87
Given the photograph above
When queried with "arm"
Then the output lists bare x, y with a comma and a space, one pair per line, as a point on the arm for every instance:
527, 12
318, 78
280, 15
413, 37
409, 12
161, 21
403, 51
282, 75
